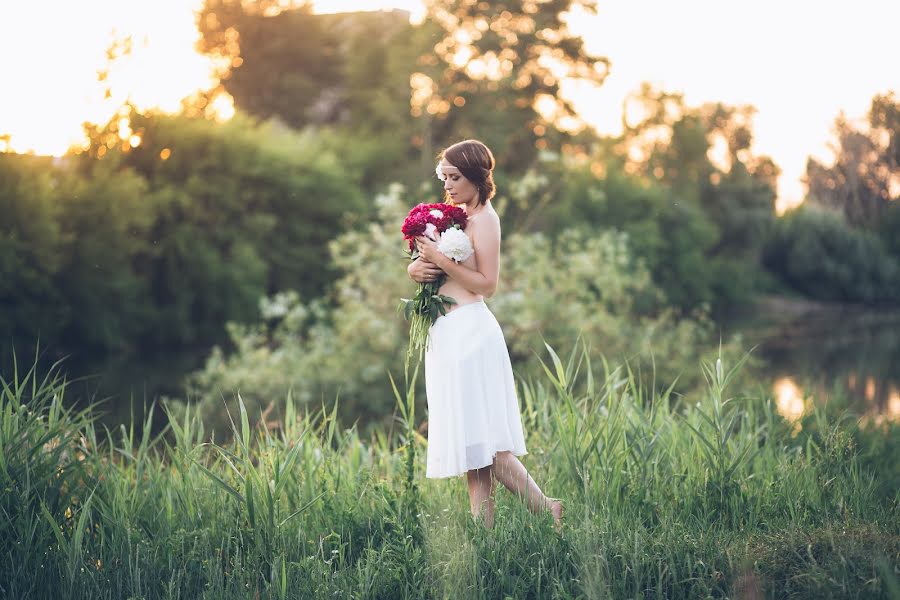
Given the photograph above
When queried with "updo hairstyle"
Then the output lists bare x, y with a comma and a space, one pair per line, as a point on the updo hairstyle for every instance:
476, 162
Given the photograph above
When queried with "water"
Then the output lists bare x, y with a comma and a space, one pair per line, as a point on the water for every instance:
819, 353
812, 353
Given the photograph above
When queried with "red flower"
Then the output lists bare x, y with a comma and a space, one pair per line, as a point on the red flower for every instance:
423, 309
421, 215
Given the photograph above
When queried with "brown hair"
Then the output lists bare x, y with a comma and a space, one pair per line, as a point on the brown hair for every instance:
476, 162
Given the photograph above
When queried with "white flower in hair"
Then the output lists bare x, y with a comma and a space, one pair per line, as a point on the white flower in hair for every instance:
455, 244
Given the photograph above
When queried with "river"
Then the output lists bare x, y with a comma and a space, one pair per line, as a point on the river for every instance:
811, 353
821, 353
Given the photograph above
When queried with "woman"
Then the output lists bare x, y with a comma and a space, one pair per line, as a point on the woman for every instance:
474, 426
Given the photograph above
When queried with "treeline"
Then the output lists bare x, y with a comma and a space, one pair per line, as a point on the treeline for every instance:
163, 243
843, 243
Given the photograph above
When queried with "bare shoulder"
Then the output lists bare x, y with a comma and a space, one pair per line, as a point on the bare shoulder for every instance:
487, 221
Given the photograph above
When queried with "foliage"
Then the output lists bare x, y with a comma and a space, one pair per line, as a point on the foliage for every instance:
486, 70
347, 344
817, 253
105, 220
843, 244
163, 243
864, 181
67, 246
299, 507
252, 192
347, 74
674, 236
493, 70
31, 250
286, 61
702, 156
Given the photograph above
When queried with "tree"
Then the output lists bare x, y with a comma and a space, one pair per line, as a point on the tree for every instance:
717, 187
493, 70
865, 177
280, 62
235, 211
818, 253
31, 253
346, 73
104, 219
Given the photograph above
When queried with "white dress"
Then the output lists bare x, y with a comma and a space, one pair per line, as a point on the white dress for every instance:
473, 411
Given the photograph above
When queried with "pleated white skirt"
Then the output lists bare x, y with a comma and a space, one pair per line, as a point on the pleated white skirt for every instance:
473, 411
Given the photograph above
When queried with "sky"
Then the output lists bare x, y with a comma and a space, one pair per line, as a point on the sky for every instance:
799, 63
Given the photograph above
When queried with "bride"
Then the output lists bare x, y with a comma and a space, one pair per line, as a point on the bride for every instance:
474, 426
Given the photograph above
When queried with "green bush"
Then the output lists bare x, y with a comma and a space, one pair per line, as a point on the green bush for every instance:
162, 244
817, 253
695, 261
32, 250
346, 345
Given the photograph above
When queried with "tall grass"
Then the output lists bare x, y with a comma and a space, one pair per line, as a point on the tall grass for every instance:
667, 497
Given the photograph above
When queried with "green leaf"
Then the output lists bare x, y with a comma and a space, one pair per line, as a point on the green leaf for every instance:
300, 510
82, 523
218, 480
56, 530
288, 464
245, 425
557, 363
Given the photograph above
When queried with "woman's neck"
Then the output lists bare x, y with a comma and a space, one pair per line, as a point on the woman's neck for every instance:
476, 208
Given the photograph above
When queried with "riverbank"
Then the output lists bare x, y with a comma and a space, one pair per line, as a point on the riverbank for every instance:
699, 497
779, 310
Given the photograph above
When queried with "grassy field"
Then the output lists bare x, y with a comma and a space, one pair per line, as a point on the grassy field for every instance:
689, 497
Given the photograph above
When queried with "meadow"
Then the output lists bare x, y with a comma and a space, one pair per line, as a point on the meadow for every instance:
667, 496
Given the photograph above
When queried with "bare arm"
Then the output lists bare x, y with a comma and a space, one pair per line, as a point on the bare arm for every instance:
486, 238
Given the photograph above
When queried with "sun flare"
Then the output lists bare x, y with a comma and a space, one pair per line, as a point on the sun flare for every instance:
65, 79
788, 73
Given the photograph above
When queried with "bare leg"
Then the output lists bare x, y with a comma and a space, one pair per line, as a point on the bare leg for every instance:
510, 471
481, 494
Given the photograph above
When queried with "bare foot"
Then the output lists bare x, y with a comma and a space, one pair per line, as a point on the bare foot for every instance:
556, 509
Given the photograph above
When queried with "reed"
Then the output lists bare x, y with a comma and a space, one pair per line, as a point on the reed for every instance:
710, 495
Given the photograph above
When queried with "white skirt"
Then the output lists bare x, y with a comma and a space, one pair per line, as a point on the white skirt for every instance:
473, 412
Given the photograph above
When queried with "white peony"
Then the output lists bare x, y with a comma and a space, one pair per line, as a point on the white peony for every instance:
431, 230
455, 244
436, 213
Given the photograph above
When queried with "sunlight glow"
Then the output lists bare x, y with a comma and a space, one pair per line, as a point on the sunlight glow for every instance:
891, 412
798, 64
893, 406
415, 8
222, 108
789, 400
62, 48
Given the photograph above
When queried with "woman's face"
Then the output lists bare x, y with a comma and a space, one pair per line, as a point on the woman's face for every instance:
459, 189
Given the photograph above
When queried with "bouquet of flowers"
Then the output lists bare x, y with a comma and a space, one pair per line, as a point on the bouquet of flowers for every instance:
445, 224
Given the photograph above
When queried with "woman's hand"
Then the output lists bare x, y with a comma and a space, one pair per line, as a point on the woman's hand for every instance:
428, 250
422, 271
